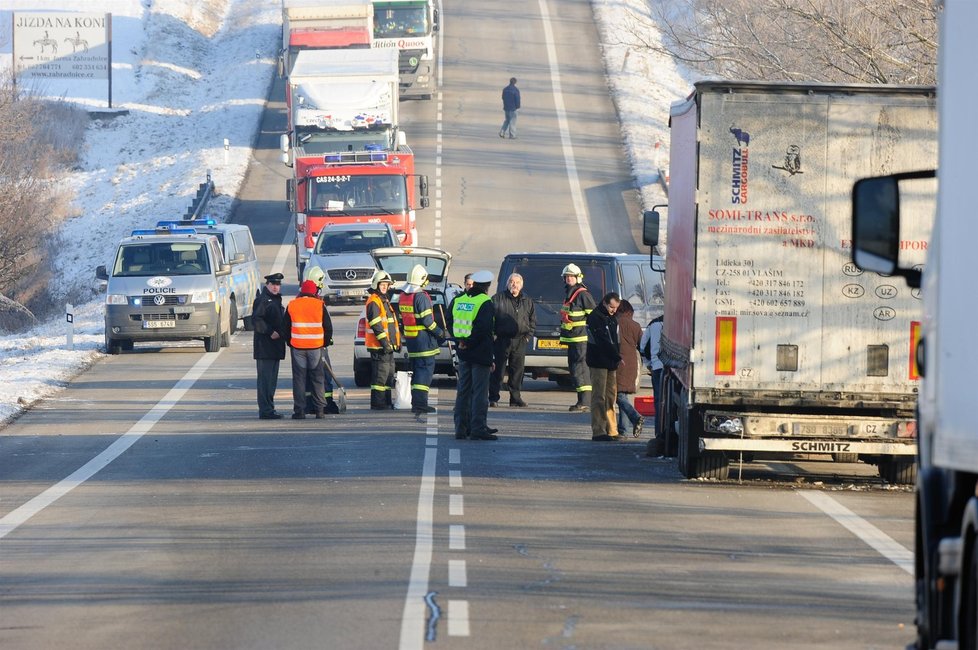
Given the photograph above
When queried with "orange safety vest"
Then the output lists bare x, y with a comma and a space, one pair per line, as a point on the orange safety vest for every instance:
370, 339
306, 314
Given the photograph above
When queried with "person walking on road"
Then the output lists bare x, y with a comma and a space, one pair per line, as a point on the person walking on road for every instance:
629, 334
268, 344
305, 328
516, 320
604, 359
578, 303
472, 324
382, 338
511, 104
422, 335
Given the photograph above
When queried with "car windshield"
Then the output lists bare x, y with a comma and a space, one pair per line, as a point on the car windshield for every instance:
353, 241
400, 265
542, 281
375, 194
161, 258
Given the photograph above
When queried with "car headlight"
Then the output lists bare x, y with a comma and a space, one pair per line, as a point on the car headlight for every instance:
116, 299
203, 296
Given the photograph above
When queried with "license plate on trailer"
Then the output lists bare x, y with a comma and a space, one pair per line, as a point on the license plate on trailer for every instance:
550, 344
158, 324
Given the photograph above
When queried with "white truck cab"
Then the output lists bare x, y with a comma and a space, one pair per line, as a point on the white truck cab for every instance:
167, 283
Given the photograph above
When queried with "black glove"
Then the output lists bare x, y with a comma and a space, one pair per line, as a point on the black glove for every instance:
387, 346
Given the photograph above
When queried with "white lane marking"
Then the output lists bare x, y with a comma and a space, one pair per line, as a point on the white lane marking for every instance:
457, 574
454, 478
287, 246
431, 442
413, 616
454, 456
456, 537
876, 538
458, 618
17, 517
569, 162
456, 505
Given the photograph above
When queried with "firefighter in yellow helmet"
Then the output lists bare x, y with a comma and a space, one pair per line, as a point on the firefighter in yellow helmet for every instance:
578, 303
382, 338
422, 335
318, 276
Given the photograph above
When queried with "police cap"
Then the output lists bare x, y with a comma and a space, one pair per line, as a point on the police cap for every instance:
482, 277
274, 278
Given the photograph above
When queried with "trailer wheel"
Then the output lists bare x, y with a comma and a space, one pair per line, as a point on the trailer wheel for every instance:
667, 423
898, 470
692, 462
845, 458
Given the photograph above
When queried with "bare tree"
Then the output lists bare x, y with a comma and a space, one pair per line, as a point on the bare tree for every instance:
36, 140
841, 41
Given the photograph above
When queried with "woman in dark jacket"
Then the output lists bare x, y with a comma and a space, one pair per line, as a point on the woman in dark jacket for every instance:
629, 334
603, 358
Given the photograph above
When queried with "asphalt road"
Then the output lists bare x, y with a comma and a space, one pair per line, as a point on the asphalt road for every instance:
147, 507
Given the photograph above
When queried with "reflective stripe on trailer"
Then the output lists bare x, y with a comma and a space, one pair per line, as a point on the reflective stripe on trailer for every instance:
809, 446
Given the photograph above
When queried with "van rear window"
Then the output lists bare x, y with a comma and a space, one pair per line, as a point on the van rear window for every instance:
161, 258
542, 280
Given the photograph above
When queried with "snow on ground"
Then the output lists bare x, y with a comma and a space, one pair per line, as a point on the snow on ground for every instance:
191, 73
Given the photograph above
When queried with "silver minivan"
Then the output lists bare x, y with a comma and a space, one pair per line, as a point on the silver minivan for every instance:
167, 284
239, 251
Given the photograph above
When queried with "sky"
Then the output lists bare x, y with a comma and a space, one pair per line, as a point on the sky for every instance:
192, 73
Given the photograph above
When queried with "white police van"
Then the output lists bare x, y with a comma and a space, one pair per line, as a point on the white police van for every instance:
239, 251
166, 284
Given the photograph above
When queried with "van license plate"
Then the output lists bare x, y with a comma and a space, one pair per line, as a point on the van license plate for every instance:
550, 344
158, 324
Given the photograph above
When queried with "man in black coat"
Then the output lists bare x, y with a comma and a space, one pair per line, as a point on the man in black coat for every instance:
471, 325
604, 358
516, 320
269, 344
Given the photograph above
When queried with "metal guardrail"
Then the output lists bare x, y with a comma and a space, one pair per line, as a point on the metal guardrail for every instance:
204, 192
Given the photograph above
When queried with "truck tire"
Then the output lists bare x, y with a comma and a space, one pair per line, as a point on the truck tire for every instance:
692, 462
361, 374
845, 458
212, 343
112, 346
898, 470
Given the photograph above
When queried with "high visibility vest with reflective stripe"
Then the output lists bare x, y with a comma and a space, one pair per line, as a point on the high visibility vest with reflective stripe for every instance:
573, 321
413, 323
370, 339
306, 314
464, 312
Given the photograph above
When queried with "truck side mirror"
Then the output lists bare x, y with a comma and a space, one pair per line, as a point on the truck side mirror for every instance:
876, 225
650, 227
423, 191
401, 139
285, 145
434, 22
290, 194
101, 273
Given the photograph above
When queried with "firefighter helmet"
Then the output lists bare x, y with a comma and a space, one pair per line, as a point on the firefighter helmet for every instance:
418, 276
380, 276
572, 269
317, 275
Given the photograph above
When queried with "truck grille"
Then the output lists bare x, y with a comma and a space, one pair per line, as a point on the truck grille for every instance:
340, 275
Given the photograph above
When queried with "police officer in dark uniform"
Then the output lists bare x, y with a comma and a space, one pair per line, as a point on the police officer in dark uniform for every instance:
269, 344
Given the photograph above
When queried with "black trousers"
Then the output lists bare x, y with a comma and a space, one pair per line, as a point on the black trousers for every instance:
580, 373
267, 383
381, 378
510, 358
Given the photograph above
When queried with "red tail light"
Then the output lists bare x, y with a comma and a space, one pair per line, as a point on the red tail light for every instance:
362, 328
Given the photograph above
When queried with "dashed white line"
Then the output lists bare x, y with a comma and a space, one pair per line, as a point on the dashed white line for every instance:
457, 574
454, 456
456, 537
456, 505
413, 616
458, 618
454, 478
876, 538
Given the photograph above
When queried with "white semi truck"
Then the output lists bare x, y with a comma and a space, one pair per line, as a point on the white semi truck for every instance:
409, 27
946, 539
773, 341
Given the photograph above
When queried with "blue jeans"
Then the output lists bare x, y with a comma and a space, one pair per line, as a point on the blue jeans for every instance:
625, 409
472, 399
509, 124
